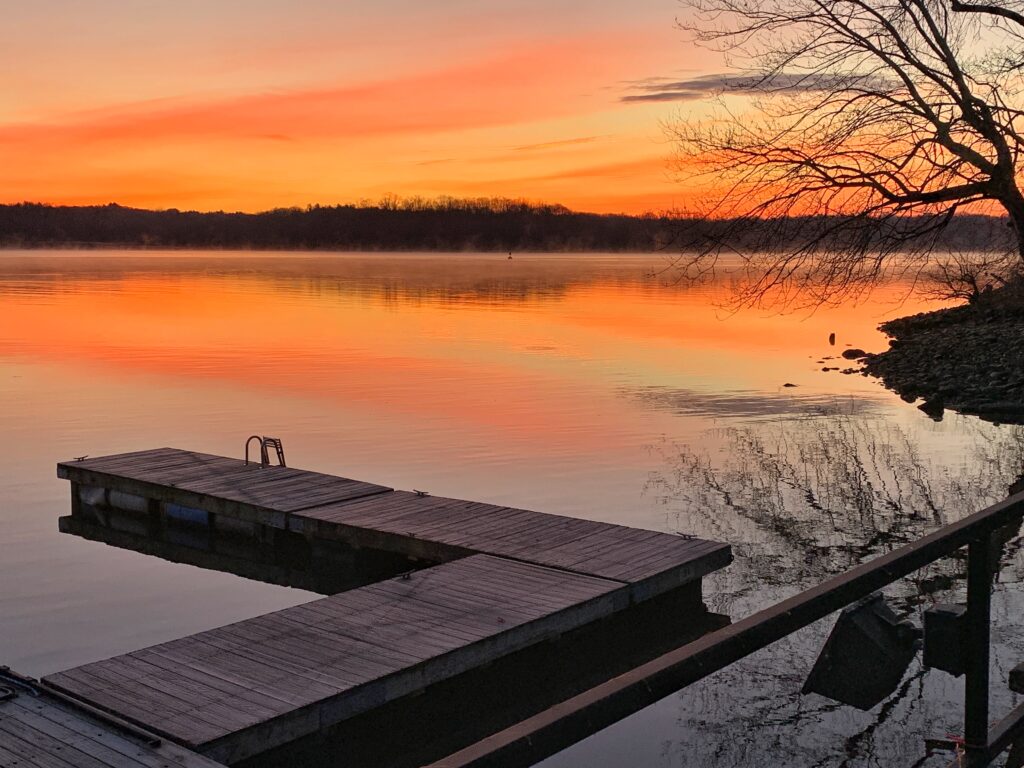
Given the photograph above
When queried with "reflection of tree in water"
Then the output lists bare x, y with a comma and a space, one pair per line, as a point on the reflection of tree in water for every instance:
800, 500
394, 279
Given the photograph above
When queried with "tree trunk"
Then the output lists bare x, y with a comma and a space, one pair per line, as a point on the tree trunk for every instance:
1014, 205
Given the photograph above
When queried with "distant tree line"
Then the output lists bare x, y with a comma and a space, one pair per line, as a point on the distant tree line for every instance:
388, 225
399, 225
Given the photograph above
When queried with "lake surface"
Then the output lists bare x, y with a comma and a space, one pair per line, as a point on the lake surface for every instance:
579, 385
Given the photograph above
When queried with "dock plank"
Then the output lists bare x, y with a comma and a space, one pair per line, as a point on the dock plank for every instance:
39, 730
418, 526
282, 489
583, 546
345, 653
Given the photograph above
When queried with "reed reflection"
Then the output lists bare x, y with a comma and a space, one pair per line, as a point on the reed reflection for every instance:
801, 499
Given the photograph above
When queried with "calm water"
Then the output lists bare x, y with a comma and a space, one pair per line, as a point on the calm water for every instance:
578, 385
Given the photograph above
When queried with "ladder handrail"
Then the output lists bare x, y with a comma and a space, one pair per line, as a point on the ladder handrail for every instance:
251, 438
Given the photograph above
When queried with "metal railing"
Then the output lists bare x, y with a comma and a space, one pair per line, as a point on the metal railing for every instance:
564, 724
265, 444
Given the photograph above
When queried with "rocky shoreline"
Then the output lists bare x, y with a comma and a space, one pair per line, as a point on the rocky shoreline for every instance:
968, 359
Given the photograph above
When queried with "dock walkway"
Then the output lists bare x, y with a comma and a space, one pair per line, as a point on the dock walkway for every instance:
234, 691
500, 580
361, 514
38, 730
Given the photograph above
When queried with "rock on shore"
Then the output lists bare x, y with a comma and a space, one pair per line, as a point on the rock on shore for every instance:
968, 359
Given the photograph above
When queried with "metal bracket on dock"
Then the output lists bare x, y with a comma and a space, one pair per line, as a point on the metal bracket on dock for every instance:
13, 682
265, 444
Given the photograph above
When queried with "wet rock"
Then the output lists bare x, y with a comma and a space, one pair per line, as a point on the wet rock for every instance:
787, 384
832, 339
854, 353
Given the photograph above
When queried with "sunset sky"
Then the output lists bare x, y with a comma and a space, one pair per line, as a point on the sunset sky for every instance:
225, 104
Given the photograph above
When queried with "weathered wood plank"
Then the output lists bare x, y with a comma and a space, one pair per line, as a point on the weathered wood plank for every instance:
38, 730
75, 739
217, 484
340, 655
543, 539
438, 528
41, 747
23, 751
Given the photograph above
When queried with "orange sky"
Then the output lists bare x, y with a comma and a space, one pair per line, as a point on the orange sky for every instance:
247, 106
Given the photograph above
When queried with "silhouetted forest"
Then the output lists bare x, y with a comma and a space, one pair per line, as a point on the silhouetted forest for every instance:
404, 225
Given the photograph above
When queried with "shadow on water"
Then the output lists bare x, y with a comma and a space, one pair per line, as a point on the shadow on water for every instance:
801, 499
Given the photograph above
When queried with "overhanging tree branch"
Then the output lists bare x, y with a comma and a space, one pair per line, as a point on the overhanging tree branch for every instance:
992, 10
890, 116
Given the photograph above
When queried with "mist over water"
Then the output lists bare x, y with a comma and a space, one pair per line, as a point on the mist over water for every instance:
578, 385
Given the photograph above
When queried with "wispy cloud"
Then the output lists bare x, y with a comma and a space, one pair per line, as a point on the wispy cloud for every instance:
559, 143
691, 89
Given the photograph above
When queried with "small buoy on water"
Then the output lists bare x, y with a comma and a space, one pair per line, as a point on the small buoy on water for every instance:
832, 339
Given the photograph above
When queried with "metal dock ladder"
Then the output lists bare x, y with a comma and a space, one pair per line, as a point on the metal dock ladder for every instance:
266, 443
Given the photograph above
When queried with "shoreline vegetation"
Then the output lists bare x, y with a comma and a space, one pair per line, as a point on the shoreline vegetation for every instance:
443, 225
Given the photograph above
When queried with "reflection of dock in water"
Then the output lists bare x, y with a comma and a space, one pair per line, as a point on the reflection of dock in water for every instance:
448, 601
323, 566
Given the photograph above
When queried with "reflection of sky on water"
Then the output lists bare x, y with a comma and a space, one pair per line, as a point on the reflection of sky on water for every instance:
569, 384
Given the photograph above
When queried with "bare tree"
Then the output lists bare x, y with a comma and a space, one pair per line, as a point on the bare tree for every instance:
873, 124
970, 276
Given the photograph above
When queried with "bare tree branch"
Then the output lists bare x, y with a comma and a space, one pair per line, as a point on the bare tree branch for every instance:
873, 124
993, 10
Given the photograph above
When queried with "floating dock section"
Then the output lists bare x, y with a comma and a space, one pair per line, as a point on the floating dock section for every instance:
491, 581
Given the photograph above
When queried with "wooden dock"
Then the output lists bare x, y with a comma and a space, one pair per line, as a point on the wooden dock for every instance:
498, 580
40, 730
267, 502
